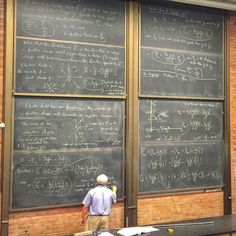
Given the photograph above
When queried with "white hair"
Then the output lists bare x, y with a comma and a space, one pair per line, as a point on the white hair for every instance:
102, 179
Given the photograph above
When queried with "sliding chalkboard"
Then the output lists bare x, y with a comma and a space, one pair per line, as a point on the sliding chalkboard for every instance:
92, 21
55, 177
61, 145
181, 29
178, 166
70, 47
167, 120
65, 68
42, 124
177, 73
177, 138
181, 52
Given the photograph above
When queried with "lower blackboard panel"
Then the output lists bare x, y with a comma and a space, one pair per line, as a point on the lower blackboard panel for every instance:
47, 179
180, 166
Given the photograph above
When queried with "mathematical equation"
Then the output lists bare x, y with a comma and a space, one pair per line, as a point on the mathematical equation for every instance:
50, 67
180, 165
85, 21
181, 29
166, 72
42, 124
65, 177
180, 121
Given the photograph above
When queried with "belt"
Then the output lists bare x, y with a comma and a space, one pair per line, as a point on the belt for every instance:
98, 215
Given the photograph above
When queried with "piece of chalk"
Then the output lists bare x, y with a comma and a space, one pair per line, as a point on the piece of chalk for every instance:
170, 230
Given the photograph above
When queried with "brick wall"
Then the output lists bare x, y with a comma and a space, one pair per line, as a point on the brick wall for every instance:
232, 40
151, 210
179, 207
55, 222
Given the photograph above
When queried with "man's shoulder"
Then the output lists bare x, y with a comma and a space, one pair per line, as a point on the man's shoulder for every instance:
101, 189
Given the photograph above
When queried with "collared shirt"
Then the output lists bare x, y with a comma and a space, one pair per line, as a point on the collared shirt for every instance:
99, 200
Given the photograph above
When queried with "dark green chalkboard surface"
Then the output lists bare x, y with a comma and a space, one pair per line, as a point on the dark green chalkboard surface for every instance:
70, 47
179, 166
181, 145
182, 28
61, 145
181, 52
65, 68
101, 22
175, 73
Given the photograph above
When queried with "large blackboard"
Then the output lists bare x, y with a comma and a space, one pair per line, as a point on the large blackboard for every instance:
61, 145
181, 52
178, 138
92, 21
66, 68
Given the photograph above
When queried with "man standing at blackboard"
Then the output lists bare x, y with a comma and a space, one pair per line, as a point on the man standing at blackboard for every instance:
97, 205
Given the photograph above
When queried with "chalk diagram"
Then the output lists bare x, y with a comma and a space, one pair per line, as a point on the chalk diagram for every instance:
70, 76
78, 134
159, 124
50, 87
81, 128
156, 117
38, 27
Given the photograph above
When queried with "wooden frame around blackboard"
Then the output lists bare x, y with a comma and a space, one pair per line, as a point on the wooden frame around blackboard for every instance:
97, 47
196, 98
178, 7
66, 96
131, 120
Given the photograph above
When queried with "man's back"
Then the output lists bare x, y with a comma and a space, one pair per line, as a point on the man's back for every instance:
97, 205
99, 200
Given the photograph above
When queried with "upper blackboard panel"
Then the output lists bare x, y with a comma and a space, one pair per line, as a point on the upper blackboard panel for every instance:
93, 21
65, 68
177, 28
61, 145
176, 73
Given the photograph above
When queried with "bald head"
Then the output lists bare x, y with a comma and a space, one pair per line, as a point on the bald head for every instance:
102, 179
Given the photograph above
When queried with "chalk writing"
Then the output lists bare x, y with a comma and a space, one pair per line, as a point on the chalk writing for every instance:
166, 72
47, 124
85, 21
62, 144
180, 165
180, 121
181, 29
50, 67
50, 176
53, 186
